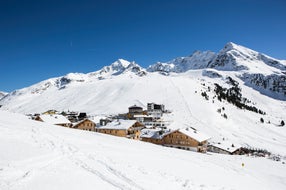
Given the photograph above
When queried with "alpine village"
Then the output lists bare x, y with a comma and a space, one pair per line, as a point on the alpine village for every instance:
145, 125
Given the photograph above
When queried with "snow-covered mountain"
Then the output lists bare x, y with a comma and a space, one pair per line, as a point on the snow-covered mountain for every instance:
120, 66
2, 94
236, 96
259, 71
36, 155
235, 57
247, 80
198, 60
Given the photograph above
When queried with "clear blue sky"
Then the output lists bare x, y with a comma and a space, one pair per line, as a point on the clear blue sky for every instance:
40, 39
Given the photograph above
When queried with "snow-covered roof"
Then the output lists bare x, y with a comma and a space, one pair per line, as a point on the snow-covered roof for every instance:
154, 133
118, 124
54, 119
151, 133
226, 145
200, 137
135, 107
76, 123
96, 119
142, 116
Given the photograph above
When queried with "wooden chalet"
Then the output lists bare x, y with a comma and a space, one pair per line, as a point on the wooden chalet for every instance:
187, 139
122, 128
225, 147
135, 110
54, 119
85, 124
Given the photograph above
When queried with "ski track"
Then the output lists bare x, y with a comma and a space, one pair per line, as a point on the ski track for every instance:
64, 150
185, 104
91, 163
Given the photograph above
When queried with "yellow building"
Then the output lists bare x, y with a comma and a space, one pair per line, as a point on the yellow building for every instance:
187, 139
122, 128
85, 124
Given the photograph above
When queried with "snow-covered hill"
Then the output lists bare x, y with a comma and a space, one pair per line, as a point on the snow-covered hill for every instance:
190, 95
35, 155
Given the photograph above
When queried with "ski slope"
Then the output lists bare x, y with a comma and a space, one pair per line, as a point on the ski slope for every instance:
181, 93
35, 155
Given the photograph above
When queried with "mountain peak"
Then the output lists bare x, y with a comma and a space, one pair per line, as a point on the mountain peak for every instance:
232, 46
2, 94
198, 60
120, 63
235, 57
120, 66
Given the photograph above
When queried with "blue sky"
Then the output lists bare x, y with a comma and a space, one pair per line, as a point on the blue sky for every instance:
40, 39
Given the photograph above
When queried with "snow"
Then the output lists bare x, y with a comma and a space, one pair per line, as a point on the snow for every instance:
118, 124
121, 62
54, 119
198, 60
96, 119
118, 67
156, 133
180, 93
36, 155
237, 57
143, 116
200, 137
106, 92
2, 94
226, 145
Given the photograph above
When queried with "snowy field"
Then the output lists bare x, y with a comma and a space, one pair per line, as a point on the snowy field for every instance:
35, 155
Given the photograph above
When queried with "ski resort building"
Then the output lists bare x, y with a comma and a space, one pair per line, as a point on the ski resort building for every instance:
155, 110
151, 122
76, 116
54, 119
122, 128
85, 124
187, 139
154, 136
147, 120
224, 147
134, 110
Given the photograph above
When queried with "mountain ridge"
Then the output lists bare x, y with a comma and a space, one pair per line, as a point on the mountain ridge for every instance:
258, 71
191, 96
2, 94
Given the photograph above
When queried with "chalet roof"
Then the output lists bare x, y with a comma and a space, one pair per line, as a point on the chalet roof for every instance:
135, 107
79, 122
200, 137
54, 119
143, 116
96, 119
226, 146
156, 133
118, 124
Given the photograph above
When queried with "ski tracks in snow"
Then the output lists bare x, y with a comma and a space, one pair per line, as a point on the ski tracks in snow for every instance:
107, 173
92, 163
185, 104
